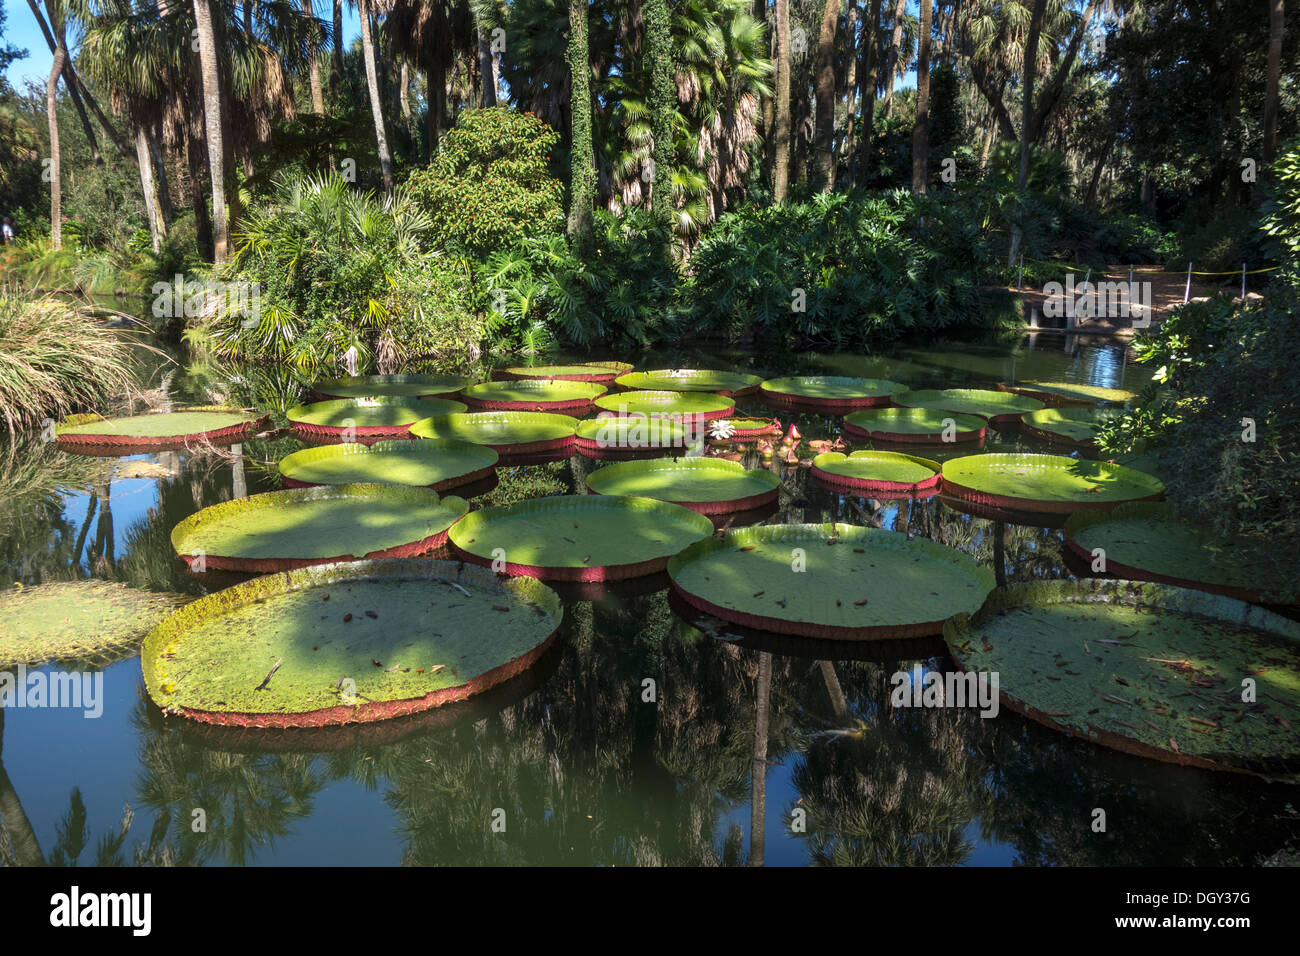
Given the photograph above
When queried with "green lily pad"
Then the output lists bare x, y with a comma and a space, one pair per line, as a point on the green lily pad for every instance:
579, 538
733, 384
1050, 483
538, 395
706, 485
856, 583
616, 435
386, 415
1067, 393
877, 472
686, 406
205, 423
407, 386
437, 463
508, 433
998, 407
740, 430
1151, 670
339, 643
304, 526
1144, 541
1067, 426
94, 621
831, 392
919, 425
602, 373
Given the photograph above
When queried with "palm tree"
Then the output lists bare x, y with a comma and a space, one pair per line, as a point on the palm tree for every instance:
1276, 21
56, 159
213, 125
582, 159
825, 93
781, 143
313, 76
921, 131
372, 84
1027, 115
869, 78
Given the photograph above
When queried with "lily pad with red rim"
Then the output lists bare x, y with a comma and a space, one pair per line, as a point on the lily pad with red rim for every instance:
534, 395
913, 426
705, 485
366, 420
403, 386
349, 642
1070, 393
686, 407
739, 431
507, 433
731, 384
279, 530
1076, 427
1000, 408
212, 424
840, 582
1046, 483
437, 463
877, 473
609, 436
1144, 668
829, 394
599, 373
579, 537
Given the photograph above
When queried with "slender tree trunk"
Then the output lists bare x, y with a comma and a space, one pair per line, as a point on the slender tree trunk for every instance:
825, 95
1276, 23
921, 132
781, 139
663, 104
870, 83
758, 769
194, 156
436, 80
56, 158
163, 188
376, 109
850, 93
27, 848
582, 161
895, 48
1026, 118
760, 14
313, 68
149, 185
213, 126
1091, 198
336, 63
68, 76
487, 65
404, 98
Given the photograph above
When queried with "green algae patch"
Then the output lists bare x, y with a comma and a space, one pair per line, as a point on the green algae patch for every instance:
1068, 426
1052, 483
1144, 541
919, 425
295, 528
191, 425
1152, 670
362, 414
687, 406
579, 537
505, 432
706, 485
997, 407
1071, 393
840, 582
402, 386
691, 380
437, 463
84, 621
347, 642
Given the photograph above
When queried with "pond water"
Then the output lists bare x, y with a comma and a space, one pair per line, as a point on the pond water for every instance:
739, 743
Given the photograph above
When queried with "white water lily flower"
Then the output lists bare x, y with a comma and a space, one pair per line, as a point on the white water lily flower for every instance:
721, 430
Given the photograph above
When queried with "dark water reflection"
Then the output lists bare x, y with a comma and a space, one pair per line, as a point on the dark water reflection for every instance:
744, 751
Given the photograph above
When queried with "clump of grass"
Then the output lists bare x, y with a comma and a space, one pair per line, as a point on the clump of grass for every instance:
55, 359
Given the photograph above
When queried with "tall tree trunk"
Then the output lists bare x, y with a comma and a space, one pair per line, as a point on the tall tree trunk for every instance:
850, 92
870, 83
487, 64
404, 98
149, 186
195, 151
921, 132
760, 14
160, 175
68, 74
213, 126
1276, 24
582, 160
372, 82
336, 63
663, 104
435, 79
1026, 118
825, 95
895, 48
781, 120
27, 848
313, 67
758, 768
56, 157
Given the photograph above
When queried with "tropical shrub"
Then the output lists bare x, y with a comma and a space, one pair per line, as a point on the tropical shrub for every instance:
325, 268
489, 185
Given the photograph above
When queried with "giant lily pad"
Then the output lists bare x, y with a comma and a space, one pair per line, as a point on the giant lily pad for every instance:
1070, 393
404, 386
706, 485
740, 431
685, 407
534, 395
215, 424
1144, 541
507, 433
877, 473
437, 463
731, 384
1077, 427
599, 373
304, 526
1152, 670
345, 643
1046, 483
93, 620
829, 581
1000, 408
913, 426
831, 394
366, 419
579, 538
631, 436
